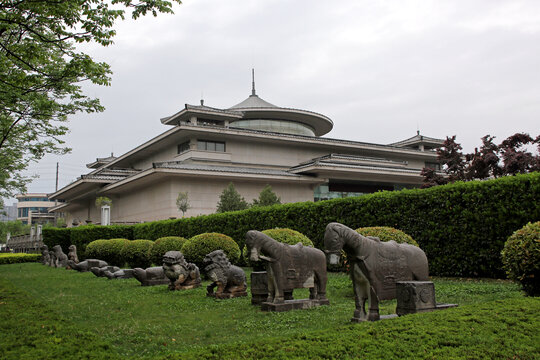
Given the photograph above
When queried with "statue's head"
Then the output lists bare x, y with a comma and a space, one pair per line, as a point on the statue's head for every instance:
173, 258
44, 248
72, 248
333, 243
253, 244
216, 258
57, 249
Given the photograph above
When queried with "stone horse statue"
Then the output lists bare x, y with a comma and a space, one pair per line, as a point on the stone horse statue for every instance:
375, 266
289, 266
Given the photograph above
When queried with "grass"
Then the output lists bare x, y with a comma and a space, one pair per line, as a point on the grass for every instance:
54, 313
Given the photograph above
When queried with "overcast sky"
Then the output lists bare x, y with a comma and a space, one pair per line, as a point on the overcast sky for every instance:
378, 69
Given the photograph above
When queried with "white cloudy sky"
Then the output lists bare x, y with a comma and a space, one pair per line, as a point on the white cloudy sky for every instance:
378, 69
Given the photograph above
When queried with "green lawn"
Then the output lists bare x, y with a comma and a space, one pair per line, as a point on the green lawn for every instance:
55, 313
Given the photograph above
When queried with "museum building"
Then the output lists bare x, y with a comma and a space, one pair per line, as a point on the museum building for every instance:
251, 144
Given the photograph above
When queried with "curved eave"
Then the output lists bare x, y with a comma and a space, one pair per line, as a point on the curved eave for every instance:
320, 123
206, 112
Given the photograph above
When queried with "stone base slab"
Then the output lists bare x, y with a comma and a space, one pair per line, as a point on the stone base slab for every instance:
289, 305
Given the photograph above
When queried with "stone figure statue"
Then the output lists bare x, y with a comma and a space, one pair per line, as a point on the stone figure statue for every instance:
289, 267
230, 280
61, 259
52, 259
112, 272
72, 254
182, 275
87, 264
150, 276
45, 257
376, 266
100, 271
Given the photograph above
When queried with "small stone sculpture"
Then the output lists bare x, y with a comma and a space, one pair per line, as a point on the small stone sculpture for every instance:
182, 275
60, 258
52, 259
87, 264
151, 276
119, 274
45, 257
100, 271
376, 266
289, 267
72, 254
229, 279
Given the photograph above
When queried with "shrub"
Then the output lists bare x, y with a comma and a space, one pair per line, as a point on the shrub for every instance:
385, 233
83, 235
521, 257
196, 248
9, 258
108, 250
285, 236
137, 253
57, 236
164, 244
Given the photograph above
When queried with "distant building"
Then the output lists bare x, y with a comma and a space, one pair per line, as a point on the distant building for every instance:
250, 144
9, 213
33, 208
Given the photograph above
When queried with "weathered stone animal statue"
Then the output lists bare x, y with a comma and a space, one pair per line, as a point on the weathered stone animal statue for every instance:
150, 276
72, 254
61, 259
289, 266
119, 274
375, 266
45, 257
229, 279
100, 271
87, 264
52, 259
182, 275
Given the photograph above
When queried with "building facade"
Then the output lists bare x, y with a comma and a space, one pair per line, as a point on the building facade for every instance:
33, 208
251, 144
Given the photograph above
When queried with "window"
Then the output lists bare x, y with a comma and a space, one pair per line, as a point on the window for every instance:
433, 165
183, 147
210, 145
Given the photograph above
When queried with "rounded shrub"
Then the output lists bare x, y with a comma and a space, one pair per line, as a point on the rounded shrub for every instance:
137, 253
521, 258
196, 248
386, 233
94, 250
164, 244
107, 250
285, 236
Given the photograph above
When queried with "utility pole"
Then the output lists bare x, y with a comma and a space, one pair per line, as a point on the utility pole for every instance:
56, 201
56, 189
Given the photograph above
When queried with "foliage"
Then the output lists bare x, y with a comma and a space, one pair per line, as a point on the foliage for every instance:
59, 236
42, 71
182, 202
483, 163
521, 257
196, 248
14, 228
164, 244
231, 200
61, 311
110, 251
267, 197
9, 258
102, 201
137, 253
386, 233
82, 235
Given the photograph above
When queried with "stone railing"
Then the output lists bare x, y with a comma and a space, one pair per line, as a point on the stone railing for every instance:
30, 243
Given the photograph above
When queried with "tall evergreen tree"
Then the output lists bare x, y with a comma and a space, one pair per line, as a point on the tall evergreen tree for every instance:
267, 197
231, 200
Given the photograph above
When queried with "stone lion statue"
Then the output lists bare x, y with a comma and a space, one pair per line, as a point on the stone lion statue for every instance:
182, 275
60, 258
229, 279
72, 254
45, 257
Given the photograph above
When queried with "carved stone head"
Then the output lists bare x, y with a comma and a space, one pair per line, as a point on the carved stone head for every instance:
174, 258
216, 259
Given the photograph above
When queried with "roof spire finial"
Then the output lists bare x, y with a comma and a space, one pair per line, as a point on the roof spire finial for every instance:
253, 82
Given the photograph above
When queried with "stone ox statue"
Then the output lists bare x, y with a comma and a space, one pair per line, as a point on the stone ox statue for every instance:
229, 279
375, 266
289, 267
182, 275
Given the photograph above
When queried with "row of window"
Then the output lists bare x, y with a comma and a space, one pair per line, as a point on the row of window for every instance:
33, 199
23, 212
205, 145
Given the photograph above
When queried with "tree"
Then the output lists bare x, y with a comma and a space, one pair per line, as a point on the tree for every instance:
266, 197
516, 159
431, 178
452, 158
484, 163
14, 228
182, 202
102, 201
231, 200
41, 72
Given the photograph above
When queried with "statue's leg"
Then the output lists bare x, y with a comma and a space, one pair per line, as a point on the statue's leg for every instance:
373, 305
321, 279
271, 289
313, 292
361, 292
288, 295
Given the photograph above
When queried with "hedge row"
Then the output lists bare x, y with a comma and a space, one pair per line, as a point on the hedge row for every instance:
462, 227
18, 258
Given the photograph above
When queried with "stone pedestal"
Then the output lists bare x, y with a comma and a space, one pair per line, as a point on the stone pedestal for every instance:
417, 296
288, 305
259, 287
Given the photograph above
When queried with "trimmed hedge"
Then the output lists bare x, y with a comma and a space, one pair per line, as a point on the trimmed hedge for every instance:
137, 253
196, 248
58, 236
385, 233
8, 258
164, 244
108, 250
521, 258
462, 227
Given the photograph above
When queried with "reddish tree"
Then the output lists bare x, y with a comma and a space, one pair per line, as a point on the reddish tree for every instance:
484, 163
516, 158
452, 159
431, 178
